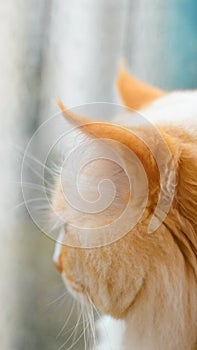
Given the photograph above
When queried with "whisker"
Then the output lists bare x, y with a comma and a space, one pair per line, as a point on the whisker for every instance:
92, 324
84, 331
34, 159
94, 307
55, 168
78, 312
66, 322
98, 314
77, 340
77, 324
72, 328
27, 202
34, 186
57, 299
100, 317
38, 174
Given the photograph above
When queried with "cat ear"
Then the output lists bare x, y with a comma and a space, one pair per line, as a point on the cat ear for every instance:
120, 135
134, 93
145, 156
71, 117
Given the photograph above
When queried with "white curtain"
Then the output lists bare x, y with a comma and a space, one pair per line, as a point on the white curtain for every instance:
21, 34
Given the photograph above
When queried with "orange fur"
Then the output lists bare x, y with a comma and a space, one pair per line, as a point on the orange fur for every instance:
147, 280
134, 93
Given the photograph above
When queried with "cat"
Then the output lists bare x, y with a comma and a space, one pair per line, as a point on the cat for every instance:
145, 283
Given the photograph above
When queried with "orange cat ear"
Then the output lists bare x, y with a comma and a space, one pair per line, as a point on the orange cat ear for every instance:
73, 118
134, 93
114, 132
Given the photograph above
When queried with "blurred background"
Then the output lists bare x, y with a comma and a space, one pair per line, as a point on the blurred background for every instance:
69, 50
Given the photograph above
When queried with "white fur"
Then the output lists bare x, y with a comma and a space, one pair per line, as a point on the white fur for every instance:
110, 333
177, 108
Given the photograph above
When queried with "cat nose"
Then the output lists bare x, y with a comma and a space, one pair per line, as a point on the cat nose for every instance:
56, 257
58, 266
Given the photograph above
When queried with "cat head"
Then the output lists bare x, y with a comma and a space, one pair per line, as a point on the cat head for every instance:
117, 186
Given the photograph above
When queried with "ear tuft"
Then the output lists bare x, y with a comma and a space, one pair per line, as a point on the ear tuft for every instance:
134, 93
60, 105
70, 116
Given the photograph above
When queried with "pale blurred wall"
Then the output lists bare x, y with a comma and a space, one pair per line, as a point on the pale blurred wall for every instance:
87, 40
161, 42
22, 25
69, 50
